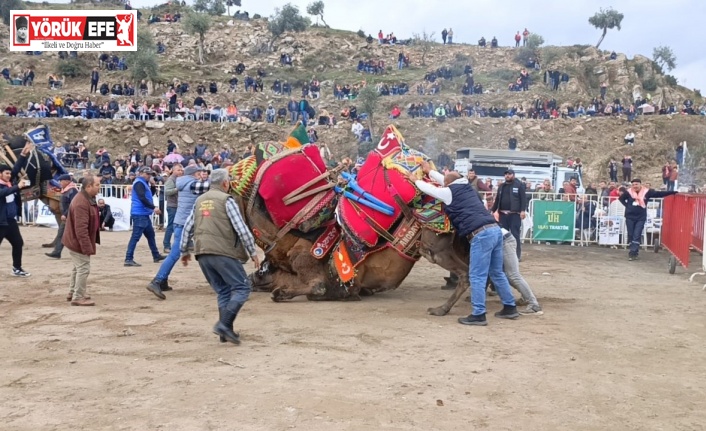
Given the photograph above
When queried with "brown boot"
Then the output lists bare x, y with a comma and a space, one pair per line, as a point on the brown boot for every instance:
70, 296
83, 302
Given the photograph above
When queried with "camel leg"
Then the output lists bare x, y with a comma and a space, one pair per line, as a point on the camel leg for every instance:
307, 277
461, 288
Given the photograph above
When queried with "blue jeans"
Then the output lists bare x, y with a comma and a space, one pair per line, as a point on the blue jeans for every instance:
487, 260
171, 212
634, 231
293, 117
228, 279
305, 117
173, 257
141, 225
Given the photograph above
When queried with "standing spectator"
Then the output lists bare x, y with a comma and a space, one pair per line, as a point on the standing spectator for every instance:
94, 80
604, 88
679, 154
81, 236
613, 170
511, 204
635, 201
68, 192
450, 36
673, 176
9, 209
444, 33
518, 38
142, 207
172, 194
471, 220
525, 37
172, 102
216, 224
627, 168
666, 170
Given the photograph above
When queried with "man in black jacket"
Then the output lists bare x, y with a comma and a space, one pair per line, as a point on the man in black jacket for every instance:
68, 192
10, 201
106, 215
511, 204
635, 201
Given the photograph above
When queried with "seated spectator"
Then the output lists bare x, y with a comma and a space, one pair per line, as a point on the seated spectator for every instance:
357, 129
11, 110
213, 87
6, 74
161, 48
281, 116
494, 42
232, 112
613, 55
395, 113
629, 139
481, 42
233, 84
270, 114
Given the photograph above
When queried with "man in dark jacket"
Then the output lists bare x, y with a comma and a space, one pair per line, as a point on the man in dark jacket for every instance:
635, 201
81, 236
470, 219
9, 209
106, 215
511, 203
68, 192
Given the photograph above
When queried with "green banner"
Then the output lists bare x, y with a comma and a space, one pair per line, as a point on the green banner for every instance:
553, 220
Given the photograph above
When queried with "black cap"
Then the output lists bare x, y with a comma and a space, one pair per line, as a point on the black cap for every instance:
65, 177
21, 22
509, 171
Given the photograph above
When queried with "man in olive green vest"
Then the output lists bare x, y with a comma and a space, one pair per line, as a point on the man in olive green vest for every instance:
222, 243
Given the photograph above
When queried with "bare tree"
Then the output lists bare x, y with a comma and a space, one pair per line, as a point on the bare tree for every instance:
606, 19
425, 41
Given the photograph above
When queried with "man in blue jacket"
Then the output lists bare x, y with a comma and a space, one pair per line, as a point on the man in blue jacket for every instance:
471, 220
9, 204
141, 209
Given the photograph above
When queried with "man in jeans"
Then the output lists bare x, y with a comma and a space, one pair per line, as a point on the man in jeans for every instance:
189, 187
142, 207
172, 194
471, 219
222, 243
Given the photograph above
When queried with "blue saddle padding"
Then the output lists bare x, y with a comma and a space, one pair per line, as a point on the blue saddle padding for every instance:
367, 196
361, 200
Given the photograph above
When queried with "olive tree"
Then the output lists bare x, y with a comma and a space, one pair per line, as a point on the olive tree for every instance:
606, 19
143, 62
664, 56
425, 41
198, 24
368, 98
316, 9
286, 19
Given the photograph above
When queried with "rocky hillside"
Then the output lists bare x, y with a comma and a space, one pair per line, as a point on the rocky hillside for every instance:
332, 56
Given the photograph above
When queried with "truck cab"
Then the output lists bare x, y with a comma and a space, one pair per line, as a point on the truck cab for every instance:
534, 166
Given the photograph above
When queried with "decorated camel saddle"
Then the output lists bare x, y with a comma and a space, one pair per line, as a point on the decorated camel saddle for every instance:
290, 184
376, 208
41, 167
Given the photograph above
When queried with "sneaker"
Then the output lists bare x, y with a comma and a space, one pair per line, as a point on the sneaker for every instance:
532, 310
472, 320
167, 250
160, 258
131, 263
83, 302
508, 312
19, 272
53, 255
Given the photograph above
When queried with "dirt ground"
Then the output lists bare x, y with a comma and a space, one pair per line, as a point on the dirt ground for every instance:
620, 346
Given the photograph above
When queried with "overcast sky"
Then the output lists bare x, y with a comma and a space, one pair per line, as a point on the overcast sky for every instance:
647, 23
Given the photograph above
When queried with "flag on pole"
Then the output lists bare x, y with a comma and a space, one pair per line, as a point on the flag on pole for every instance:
298, 137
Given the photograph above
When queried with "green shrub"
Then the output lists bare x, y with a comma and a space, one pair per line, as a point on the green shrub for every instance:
649, 84
257, 16
671, 80
523, 55
548, 55
505, 75
462, 57
640, 70
361, 33
73, 68
697, 92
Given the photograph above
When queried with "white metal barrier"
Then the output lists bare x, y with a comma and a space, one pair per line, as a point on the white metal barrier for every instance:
605, 222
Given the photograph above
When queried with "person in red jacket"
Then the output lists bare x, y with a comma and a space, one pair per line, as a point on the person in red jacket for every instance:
81, 235
395, 113
518, 38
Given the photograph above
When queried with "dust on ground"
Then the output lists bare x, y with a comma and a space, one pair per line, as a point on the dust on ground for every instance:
619, 347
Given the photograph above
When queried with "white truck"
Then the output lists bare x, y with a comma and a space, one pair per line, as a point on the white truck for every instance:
534, 166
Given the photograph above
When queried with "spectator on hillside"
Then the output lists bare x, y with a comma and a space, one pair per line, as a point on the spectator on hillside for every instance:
494, 42
11, 110
357, 129
450, 36
518, 38
525, 37
395, 113
481, 42
629, 139
94, 80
